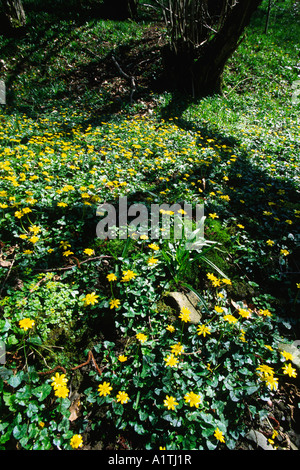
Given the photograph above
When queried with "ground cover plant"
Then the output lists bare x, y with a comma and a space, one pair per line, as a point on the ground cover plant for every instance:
94, 354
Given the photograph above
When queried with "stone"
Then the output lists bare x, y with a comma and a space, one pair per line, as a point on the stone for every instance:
259, 439
292, 348
177, 300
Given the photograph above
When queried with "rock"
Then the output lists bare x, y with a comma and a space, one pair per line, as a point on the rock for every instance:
293, 447
259, 439
294, 438
178, 300
292, 348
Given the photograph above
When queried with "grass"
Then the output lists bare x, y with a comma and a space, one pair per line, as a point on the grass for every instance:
71, 140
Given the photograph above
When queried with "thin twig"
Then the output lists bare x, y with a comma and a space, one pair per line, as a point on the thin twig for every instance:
8, 273
130, 78
66, 268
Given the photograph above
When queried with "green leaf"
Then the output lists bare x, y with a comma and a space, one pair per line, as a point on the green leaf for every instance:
206, 417
252, 388
24, 393
19, 431
143, 416
139, 429
42, 391
35, 340
32, 409
10, 401
207, 432
15, 380
211, 445
234, 396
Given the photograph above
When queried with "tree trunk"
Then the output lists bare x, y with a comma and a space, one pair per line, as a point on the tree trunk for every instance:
199, 71
120, 9
12, 15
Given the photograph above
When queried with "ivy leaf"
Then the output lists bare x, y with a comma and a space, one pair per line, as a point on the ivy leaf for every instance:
139, 429
19, 431
211, 445
252, 388
42, 391
234, 395
15, 380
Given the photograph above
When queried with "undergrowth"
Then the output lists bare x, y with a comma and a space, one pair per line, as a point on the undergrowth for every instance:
71, 300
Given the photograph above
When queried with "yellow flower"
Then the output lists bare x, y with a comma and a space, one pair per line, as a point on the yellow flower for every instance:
170, 402
213, 216
244, 313
90, 299
185, 314
35, 229
104, 389
153, 246
152, 260
171, 360
271, 382
26, 210
265, 313
59, 381
219, 309
141, 337
193, 399
242, 337
122, 358
122, 397
19, 214
111, 277
211, 277
289, 370
34, 239
68, 253
288, 356
266, 373
114, 303
76, 441
230, 318
265, 370
270, 242
284, 252
219, 435
26, 323
89, 251
203, 330
163, 211
170, 328
128, 275
65, 245
61, 392
177, 349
